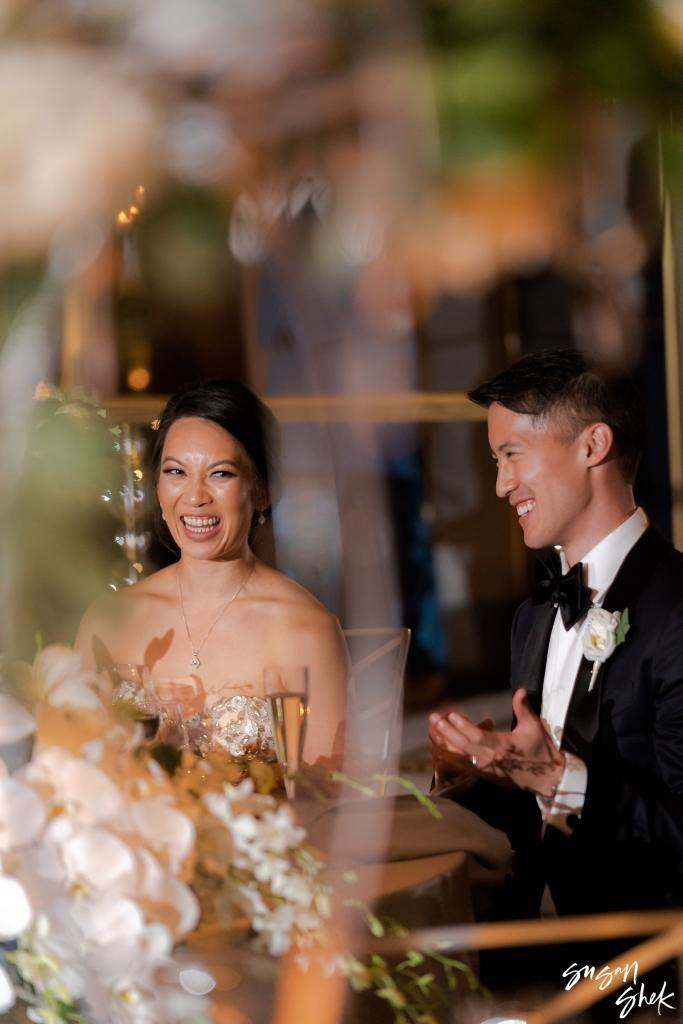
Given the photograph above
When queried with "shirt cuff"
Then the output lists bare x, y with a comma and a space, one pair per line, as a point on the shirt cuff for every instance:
568, 797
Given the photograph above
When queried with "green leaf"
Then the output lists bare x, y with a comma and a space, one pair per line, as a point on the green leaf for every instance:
623, 627
346, 780
394, 927
375, 925
425, 980
411, 788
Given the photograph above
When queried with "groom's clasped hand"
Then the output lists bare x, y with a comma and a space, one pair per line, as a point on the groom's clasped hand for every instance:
525, 757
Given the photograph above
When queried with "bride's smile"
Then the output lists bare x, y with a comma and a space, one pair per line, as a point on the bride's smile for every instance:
206, 490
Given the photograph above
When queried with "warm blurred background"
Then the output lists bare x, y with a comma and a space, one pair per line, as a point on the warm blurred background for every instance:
362, 209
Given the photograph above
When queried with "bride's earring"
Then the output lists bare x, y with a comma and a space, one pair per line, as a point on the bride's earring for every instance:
261, 519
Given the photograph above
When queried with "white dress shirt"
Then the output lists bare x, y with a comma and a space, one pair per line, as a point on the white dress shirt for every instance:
565, 651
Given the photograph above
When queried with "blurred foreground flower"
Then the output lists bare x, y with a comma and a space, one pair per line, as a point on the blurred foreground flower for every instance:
93, 882
99, 846
77, 134
107, 860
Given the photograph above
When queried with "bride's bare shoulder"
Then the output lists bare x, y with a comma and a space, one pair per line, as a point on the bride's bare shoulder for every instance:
301, 630
291, 604
110, 613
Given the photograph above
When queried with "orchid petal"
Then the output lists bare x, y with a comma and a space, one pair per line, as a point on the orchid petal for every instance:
55, 664
196, 981
150, 874
105, 920
15, 721
161, 888
15, 909
22, 814
74, 694
158, 942
98, 859
182, 902
90, 796
93, 751
164, 828
7, 995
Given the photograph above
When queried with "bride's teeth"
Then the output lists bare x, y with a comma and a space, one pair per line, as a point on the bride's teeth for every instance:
197, 523
526, 506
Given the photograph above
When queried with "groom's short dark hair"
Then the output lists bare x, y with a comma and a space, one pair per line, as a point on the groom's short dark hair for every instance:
562, 384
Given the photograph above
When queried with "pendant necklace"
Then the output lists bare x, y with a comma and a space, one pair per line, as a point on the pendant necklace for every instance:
195, 661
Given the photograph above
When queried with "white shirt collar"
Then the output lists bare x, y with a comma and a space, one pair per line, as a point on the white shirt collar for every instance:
601, 564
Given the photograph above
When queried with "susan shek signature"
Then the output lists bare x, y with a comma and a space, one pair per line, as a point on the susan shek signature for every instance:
630, 998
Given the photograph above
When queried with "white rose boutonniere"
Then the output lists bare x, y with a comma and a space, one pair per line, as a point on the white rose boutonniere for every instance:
603, 632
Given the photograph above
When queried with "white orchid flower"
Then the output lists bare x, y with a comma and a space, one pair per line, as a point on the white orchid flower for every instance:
15, 909
164, 828
22, 814
276, 929
15, 721
7, 993
268, 869
96, 859
132, 962
175, 903
281, 832
182, 902
293, 888
15, 917
75, 695
84, 790
60, 678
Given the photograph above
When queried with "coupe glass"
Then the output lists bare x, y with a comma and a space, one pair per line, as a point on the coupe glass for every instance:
177, 702
133, 696
287, 693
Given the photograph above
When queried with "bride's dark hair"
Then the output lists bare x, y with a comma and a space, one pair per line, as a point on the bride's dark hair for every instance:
237, 410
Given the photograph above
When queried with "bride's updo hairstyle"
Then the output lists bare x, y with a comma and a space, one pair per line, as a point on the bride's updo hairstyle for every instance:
238, 411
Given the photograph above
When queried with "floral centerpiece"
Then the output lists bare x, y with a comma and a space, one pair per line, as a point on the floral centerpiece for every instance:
109, 860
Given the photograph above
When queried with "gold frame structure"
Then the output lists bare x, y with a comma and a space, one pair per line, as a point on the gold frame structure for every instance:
674, 368
369, 407
665, 942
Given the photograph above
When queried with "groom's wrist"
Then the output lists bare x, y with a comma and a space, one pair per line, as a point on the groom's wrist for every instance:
548, 784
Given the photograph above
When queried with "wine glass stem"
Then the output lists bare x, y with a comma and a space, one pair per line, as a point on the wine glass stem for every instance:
290, 786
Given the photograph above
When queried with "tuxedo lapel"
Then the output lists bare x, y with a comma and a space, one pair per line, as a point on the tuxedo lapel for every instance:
583, 714
534, 655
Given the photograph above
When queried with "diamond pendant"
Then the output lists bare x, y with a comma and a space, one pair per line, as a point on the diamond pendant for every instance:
195, 663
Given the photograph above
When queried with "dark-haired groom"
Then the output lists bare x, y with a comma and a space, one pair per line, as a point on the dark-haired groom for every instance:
594, 761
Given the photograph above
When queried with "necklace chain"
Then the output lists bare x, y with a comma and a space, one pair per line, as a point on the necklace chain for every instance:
195, 661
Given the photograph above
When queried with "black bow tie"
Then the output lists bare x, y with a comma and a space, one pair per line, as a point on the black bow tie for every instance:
568, 593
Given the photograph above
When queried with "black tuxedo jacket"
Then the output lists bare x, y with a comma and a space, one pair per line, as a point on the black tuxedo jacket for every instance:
626, 849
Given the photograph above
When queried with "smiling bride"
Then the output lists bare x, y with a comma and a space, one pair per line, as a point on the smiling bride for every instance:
213, 622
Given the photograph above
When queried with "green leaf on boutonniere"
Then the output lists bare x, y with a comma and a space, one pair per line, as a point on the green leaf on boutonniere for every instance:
623, 627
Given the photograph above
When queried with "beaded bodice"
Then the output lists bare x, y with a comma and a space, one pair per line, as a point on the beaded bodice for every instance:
242, 726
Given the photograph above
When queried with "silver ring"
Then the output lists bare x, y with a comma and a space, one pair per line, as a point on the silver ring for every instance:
473, 759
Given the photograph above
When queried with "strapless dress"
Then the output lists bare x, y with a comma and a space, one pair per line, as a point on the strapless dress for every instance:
240, 725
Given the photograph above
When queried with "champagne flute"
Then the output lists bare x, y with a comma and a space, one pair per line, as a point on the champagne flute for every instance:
287, 693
